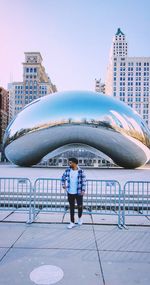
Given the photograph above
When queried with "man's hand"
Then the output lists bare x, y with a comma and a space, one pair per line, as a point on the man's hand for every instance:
64, 187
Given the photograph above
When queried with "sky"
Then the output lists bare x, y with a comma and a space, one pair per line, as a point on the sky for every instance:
73, 36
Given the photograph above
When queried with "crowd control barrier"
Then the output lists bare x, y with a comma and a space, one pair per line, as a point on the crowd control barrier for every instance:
135, 199
16, 194
102, 197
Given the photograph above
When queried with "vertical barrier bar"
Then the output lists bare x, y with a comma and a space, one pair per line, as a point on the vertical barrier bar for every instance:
136, 198
29, 221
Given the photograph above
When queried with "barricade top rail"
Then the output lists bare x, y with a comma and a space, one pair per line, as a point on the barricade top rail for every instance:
134, 183
47, 178
19, 178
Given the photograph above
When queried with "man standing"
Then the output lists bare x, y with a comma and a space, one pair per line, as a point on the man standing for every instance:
74, 181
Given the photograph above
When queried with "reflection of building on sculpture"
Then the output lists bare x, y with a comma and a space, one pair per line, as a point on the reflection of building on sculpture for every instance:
99, 123
85, 158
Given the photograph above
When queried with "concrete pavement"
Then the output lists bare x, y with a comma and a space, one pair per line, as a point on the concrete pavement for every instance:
97, 253
88, 255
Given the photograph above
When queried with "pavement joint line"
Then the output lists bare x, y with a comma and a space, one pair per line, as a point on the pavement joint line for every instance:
74, 249
55, 248
5, 254
7, 216
98, 253
122, 251
92, 223
12, 245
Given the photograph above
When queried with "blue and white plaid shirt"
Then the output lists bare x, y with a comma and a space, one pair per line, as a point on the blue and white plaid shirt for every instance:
81, 185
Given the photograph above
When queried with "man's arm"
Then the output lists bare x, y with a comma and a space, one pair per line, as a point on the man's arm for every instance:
63, 180
83, 183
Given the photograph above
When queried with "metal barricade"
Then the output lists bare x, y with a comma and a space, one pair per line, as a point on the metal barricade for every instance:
103, 197
49, 196
16, 194
136, 199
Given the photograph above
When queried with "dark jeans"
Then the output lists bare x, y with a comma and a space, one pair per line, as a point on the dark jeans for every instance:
71, 199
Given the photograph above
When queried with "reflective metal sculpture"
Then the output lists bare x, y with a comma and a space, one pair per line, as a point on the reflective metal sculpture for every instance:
52, 123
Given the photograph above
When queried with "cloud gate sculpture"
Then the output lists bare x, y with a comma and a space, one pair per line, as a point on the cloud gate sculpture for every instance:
55, 122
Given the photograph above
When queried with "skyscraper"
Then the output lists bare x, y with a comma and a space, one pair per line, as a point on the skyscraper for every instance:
36, 83
3, 113
128, 78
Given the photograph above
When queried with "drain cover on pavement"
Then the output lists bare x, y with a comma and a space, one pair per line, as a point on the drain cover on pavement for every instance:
46, 275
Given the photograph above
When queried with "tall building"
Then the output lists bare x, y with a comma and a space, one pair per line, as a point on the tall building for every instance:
36, 83
3, 112
99, 86
128, 78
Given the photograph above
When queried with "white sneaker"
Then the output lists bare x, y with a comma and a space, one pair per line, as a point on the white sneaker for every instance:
71, 225
80, 222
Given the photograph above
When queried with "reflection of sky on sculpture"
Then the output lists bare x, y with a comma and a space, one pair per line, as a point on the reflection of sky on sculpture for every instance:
78, 107
90, 118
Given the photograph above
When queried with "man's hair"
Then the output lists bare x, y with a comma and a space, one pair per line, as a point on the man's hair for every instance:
73, 159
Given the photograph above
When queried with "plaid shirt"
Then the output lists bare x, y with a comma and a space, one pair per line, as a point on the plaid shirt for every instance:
81, 180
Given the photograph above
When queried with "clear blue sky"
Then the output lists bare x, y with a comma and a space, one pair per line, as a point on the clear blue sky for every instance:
73, 36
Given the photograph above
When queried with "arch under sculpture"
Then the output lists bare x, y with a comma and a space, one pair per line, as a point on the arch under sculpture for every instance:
53, 122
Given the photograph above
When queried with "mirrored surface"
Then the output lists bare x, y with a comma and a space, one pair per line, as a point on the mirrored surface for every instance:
60, 119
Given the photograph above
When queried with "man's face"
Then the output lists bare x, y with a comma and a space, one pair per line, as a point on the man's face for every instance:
72, 164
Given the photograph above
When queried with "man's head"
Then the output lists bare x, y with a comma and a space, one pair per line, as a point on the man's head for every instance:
73, 162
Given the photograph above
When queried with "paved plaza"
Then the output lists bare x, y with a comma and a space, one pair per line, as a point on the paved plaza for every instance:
119, 174
91, 254
96, 253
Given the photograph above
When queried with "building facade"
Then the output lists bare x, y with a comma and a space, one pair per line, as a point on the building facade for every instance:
128, 78
36, 83
4, 96
99, 86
